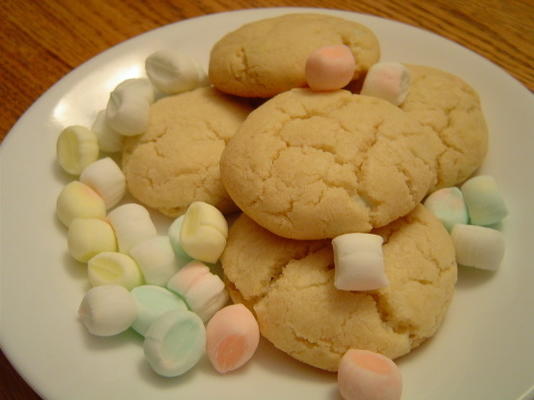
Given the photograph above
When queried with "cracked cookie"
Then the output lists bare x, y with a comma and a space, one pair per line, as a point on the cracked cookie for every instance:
450, 107
289, 285
310, 165
267, 57
176, 161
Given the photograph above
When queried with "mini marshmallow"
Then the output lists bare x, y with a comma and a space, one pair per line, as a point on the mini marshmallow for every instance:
364, 375
127, 110
203, 291
174, 343
174, 72
478, 246
387, 80
76, 147
330, 68
107, 310
359, 262
139, 87
132, 225
128, 116
174, 238
78, 200
204, 232
232, 337
109, 140
112, 268
484, 201
448, 206
152, 302
107, 179
88, 237
156, 259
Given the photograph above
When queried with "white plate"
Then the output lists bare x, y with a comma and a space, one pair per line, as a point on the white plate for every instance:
484, 350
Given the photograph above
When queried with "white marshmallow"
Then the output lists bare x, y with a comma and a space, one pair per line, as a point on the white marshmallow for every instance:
88, 237
109, 140
132, 225
127, 110
478, 246
175, 342
76, 148
387, 80
156, 259
359, 262
152, 302
112, 268
107, 179
77, 200
107, 310
127, 115
203, 291
484, 201
139, 87
448, 206
174, 72
204, 232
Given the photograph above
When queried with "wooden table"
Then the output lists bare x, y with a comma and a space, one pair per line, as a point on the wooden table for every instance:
42, 40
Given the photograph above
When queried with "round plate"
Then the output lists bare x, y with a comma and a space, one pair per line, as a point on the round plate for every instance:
484, 349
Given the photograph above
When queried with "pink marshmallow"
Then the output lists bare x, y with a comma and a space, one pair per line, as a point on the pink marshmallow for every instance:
364, 375
203, 291
330, 68
188, 276
232, 337
387, 80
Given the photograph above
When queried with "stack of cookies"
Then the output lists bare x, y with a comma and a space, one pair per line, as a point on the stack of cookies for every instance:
306, 166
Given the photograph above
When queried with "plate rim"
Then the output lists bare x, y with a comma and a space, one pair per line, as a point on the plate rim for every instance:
72, 75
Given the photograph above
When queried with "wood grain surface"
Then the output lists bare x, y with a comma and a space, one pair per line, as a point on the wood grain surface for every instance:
42, 40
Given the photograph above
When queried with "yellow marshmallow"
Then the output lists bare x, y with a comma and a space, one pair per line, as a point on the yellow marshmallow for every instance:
204, 232
77, 147
78, 200
112, 268
88, 237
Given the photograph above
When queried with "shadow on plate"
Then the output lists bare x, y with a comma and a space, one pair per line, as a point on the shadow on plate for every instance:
97, 343
76, 270
60, 175
162, 383
270, 358
417, 352
334, 394
470, 277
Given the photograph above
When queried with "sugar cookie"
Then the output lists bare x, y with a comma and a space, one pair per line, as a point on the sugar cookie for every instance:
267, 57
315, 165
177, 160
289, 286
450, 107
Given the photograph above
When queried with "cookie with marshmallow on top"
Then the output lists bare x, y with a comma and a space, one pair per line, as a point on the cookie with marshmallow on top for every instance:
290, 286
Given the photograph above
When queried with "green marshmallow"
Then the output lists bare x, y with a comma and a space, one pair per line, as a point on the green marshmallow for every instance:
484, 202
175, 342
152, 302
174, 237
448, 206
